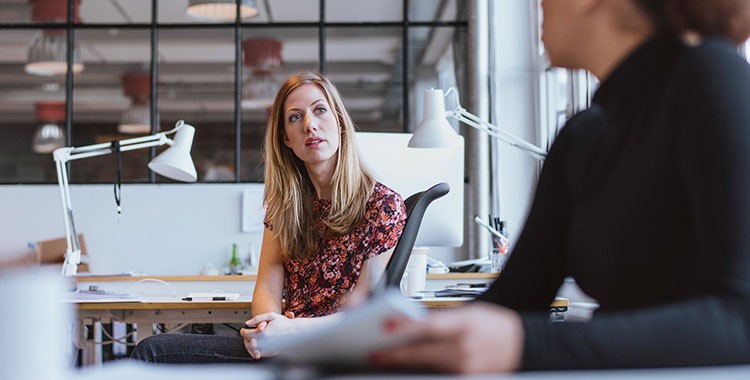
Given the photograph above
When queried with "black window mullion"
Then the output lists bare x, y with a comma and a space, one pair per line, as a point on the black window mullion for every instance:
237, 93
405, 66
154, 72
70, 38
322, 37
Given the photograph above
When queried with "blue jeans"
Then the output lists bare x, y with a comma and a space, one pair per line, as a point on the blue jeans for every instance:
192, 349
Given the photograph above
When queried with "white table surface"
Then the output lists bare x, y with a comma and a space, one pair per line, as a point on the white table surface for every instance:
130, 370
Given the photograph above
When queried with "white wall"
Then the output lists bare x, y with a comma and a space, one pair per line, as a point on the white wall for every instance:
175, 229
168, 229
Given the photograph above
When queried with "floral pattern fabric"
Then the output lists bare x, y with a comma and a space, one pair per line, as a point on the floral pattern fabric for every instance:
316, 286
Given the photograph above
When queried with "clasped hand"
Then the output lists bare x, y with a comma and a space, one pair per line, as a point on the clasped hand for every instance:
266, 324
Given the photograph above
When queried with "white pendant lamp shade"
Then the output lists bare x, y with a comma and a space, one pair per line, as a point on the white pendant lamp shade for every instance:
434, 131
220, 10
175, 162
49, 135
47, 55
259, 90
136, 119
262, 55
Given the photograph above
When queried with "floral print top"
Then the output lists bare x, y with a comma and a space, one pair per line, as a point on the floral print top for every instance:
316, 286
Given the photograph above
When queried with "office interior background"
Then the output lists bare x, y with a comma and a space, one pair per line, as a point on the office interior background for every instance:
220, 76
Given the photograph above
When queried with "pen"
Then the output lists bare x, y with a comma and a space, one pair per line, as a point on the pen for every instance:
489, 228
204, 299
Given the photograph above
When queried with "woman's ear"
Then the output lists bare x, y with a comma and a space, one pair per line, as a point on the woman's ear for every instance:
286, 139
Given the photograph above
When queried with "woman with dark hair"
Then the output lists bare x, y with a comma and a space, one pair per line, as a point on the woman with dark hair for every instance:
644, 199
330, 227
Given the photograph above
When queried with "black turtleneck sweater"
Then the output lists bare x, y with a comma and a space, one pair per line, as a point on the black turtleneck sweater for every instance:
645, 200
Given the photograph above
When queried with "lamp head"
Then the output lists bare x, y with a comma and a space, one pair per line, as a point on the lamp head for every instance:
175, 162
434, 131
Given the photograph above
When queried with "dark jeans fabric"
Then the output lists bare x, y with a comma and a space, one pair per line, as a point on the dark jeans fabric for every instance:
192, 349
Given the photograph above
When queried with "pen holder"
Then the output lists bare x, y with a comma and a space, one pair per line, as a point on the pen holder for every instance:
498, 257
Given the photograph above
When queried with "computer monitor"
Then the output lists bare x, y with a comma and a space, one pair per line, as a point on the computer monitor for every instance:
411, 170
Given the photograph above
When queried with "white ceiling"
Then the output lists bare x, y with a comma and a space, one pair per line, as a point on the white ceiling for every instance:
196, 70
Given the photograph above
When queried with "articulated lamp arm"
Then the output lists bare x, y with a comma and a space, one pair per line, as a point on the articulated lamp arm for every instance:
466, 117
435, 132
184, 169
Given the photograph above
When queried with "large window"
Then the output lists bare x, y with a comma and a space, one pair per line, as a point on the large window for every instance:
216, 75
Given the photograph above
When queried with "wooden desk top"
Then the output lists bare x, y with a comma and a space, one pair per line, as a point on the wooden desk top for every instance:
252, 277
174, 305
163, 305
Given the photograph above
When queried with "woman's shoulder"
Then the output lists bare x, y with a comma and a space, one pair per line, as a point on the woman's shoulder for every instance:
714, 59
709, 79
384, 197
383, 192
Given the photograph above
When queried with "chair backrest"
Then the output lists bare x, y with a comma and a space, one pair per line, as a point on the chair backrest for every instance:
416, 205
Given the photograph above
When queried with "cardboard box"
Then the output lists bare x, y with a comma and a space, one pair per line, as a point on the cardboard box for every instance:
53, 252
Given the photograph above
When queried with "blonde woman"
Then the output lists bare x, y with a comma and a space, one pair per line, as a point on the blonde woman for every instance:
330, 227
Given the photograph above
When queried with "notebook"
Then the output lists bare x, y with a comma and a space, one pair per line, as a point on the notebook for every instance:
350, 339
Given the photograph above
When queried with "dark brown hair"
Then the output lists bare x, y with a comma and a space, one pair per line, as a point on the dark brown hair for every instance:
724, 18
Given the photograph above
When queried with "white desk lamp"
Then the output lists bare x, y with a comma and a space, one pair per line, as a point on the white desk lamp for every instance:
435, 132
174, 163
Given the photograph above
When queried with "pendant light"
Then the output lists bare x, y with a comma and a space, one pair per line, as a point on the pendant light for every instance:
49, 135
220, 10
47, 55
137, 118
262, 56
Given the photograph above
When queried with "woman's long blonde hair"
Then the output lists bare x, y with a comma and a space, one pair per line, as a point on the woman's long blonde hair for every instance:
289, 194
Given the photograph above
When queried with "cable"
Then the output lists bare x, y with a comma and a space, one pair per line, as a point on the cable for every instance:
112, 339
171, 288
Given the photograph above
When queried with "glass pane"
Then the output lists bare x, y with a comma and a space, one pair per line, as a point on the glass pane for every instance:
23, 12
199, 88
289, 11
432, 65
365, 65
16, 11
431, 10
19, 94
270, 56
364, 10
254, 11
115, 12
104, 91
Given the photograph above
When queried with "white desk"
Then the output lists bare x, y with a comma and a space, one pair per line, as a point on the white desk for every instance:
132, 370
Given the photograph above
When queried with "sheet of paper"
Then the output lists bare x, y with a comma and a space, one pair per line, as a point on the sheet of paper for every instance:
101, 297
349, 340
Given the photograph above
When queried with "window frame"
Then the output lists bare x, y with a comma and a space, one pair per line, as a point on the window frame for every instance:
238, 26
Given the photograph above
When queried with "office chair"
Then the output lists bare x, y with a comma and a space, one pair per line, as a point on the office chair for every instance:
416, 205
